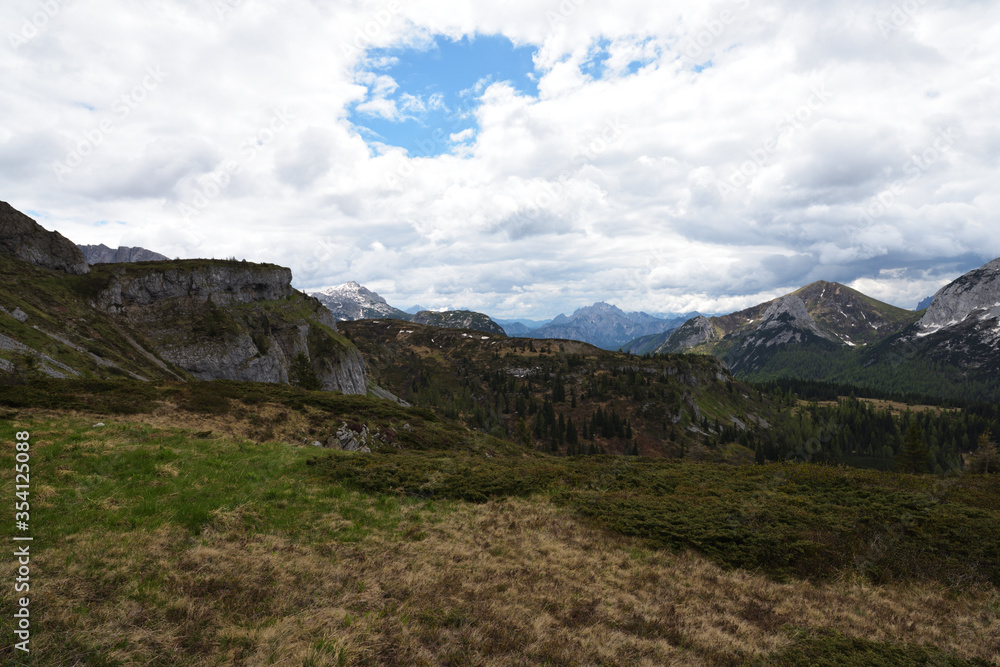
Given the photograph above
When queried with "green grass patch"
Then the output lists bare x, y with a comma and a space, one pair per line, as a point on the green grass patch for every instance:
120, 478
832, 649
784, 519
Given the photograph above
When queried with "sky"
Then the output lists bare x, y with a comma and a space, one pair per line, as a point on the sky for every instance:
522, 158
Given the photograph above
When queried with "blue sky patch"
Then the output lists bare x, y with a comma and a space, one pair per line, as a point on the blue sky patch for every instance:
418, 99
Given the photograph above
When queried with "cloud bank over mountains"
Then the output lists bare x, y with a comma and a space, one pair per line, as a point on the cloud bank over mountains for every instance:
665, 158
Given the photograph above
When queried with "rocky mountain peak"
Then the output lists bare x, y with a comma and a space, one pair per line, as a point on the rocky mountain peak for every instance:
604, 325
975, 293
353, 301
26, 240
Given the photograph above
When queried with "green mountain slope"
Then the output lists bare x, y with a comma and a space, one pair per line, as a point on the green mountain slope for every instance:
560, 395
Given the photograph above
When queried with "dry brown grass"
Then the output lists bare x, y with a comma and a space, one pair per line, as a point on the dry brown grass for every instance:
894, 407
517, 582
258, 423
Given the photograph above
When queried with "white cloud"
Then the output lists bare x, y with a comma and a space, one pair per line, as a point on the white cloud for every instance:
600, 188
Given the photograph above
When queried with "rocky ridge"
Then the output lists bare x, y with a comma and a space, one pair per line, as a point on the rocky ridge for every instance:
163, 320
975, 294
102, 254
824, 314
459, 319
23, 238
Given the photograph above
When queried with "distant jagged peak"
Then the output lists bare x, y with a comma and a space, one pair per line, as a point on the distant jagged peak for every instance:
974, 293
349, 286
102, 254
354, 301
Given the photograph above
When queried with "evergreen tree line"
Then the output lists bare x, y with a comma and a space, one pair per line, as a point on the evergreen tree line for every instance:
855, 433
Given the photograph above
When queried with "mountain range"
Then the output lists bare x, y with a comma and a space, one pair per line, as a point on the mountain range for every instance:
601, 324
824, 331
351, 301
830, 332
605, 326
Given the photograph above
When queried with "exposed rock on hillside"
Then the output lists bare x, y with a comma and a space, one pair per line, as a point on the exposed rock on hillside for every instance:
691, 334
102, 254
960, 331
25, 239
231, 320
221, 283
976, 293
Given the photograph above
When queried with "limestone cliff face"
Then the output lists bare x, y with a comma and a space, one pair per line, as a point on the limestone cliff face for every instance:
201, 281
231, 320
25, 239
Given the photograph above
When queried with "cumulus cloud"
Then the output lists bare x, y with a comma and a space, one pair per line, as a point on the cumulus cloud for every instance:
703, 157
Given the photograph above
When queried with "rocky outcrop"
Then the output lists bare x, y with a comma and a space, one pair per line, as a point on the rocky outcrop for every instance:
977, 293
102, 254
223, 283
25, 239
789, 311
692, 333
232, 320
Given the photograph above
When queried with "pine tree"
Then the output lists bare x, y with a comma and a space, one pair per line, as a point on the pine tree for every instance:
912, 455
302, 374
986, 458
571, 434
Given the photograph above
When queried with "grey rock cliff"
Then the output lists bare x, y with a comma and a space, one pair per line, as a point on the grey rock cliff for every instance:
102, 254
790, 311
234, 321
976, 292
28, 241
199, 281
693, 332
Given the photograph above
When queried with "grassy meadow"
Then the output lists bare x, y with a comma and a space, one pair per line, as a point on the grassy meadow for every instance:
192, 530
